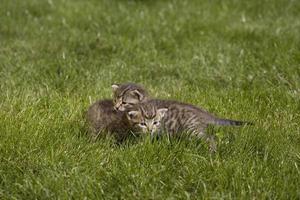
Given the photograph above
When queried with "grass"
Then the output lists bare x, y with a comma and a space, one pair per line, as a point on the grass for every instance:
238, 59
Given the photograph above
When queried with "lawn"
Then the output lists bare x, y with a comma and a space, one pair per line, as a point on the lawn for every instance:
237, 59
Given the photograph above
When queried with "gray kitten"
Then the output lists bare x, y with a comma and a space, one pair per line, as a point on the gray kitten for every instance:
128, 94
103, 117
146, 117
174, 117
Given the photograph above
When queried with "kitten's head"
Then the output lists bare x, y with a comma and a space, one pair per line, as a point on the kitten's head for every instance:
127, 95
145, 117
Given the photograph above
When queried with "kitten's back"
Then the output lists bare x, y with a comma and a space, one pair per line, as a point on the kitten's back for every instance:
202, 114
102, 117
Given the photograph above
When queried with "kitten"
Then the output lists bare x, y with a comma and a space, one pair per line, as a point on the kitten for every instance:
179, 117
103, 118
128, 94
146, 117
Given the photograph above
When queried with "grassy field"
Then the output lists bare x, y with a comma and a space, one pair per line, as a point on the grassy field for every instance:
237, 59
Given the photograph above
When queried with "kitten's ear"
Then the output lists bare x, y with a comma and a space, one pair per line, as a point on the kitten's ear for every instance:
115, 86
131, 115
138, 94
162, 111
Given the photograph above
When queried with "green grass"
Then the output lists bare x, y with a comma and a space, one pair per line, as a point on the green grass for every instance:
238, 59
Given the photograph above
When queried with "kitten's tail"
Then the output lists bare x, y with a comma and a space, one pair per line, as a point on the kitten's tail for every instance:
229, 122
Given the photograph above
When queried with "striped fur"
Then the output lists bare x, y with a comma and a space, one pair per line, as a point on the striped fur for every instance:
180, 117
127, 95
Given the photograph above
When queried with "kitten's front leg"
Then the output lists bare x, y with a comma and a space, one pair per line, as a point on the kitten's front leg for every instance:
212, 143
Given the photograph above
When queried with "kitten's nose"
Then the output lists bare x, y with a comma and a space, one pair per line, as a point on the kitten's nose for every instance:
150, 129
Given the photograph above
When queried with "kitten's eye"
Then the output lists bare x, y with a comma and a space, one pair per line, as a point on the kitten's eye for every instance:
143, 124
155, 122
123, 102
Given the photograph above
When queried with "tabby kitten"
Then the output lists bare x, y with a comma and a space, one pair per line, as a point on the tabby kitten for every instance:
146, 117
178, 117
128, 94
103, 118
